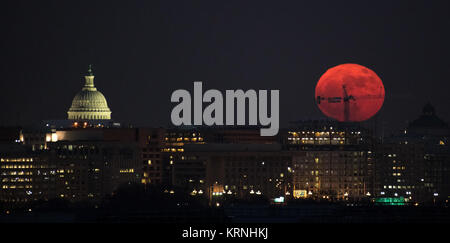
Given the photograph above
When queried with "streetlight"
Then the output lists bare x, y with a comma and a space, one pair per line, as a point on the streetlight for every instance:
434, 197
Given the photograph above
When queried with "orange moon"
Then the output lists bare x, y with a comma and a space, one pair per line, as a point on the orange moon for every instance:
350, 93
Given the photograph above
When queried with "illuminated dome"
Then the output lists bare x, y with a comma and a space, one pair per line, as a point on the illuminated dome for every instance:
89, 103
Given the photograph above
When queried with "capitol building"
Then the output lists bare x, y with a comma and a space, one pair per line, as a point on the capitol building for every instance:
89, 103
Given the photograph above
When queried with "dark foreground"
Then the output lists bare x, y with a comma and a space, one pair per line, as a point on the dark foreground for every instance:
241, 214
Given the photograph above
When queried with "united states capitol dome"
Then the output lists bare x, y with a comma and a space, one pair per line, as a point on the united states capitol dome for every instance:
89, 103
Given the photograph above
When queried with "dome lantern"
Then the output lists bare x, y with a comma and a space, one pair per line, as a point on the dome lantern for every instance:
89, 80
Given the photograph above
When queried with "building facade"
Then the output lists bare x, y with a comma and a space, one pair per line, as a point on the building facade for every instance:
332, 161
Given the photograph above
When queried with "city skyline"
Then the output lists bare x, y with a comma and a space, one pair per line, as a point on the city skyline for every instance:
94, 163
209, 117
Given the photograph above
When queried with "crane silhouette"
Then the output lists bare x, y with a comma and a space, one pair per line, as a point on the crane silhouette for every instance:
346, 98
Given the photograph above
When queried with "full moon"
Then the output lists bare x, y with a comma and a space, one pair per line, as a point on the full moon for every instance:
350, 93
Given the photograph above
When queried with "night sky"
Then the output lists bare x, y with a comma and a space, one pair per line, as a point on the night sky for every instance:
142, 51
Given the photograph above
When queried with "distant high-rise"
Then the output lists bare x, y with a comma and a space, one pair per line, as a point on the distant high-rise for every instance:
89, 103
